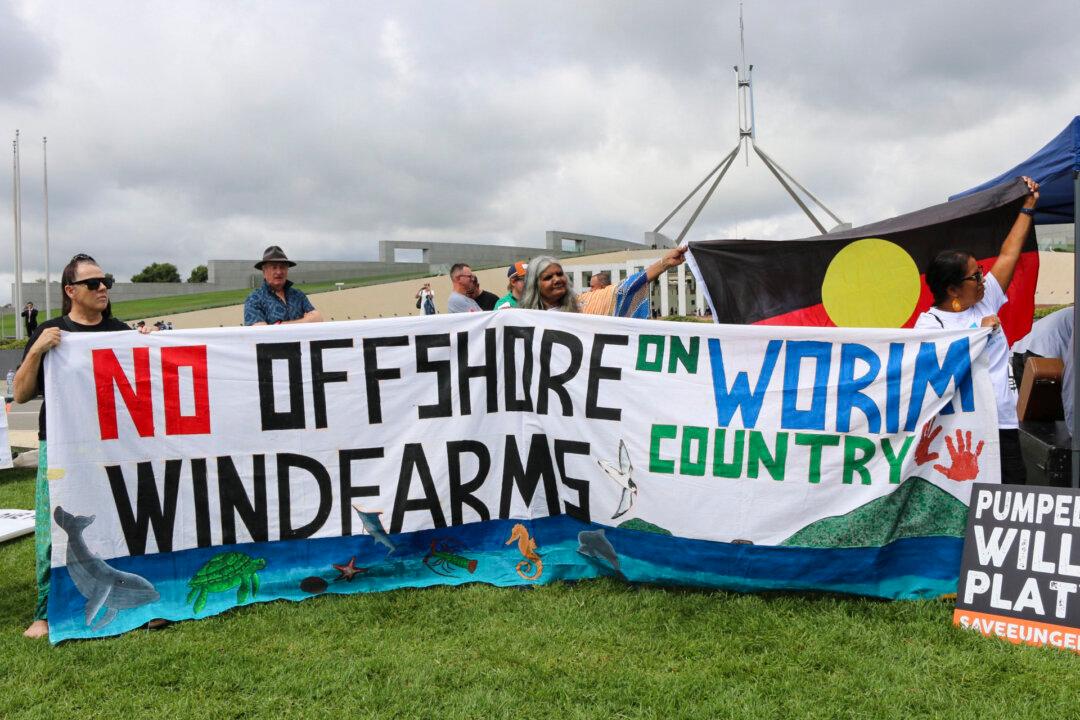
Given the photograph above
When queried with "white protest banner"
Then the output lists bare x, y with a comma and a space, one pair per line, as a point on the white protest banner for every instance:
198, 470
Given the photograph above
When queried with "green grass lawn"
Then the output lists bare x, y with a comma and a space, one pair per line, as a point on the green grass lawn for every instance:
596, 649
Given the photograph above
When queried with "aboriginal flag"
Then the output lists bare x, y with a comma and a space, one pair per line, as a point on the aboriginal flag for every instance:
870, 276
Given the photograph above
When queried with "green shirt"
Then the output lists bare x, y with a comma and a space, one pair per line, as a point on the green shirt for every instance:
507, 300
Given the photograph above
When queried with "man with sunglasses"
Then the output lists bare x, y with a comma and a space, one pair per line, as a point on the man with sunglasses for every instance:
86, 308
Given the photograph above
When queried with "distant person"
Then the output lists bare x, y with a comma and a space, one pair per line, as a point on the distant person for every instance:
465, 286
486, 300
965, 297
547, 288
85, 308
425, 300
1049, 337
276, 301
515, 285
29, 314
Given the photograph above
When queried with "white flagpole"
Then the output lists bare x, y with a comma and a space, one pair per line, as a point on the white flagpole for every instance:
45, 166
17, 300
15, 228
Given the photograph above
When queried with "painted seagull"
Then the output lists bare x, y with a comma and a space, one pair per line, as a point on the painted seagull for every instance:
373, 526
621, 474
101, 584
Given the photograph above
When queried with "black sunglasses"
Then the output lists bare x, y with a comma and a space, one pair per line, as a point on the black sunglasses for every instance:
977, 276
94, 283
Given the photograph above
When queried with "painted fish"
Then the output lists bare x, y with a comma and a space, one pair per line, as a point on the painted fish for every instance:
373, 527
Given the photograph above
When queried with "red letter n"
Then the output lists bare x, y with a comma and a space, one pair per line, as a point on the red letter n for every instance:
172, 358
107, 373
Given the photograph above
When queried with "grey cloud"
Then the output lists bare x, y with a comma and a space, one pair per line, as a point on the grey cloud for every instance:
25, 58
189, 131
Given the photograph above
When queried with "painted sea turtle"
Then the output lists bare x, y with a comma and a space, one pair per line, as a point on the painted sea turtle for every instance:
222, 572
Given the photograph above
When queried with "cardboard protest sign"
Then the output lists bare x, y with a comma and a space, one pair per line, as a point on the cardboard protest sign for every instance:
15, 523
1020, 569
200, 470
6, 460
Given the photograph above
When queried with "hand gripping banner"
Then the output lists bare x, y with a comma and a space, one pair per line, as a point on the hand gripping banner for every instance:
195, 471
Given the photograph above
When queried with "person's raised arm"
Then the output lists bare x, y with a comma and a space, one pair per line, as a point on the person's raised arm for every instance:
672, 259
1009, 255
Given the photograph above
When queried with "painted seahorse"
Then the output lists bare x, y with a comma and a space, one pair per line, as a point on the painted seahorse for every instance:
527, 547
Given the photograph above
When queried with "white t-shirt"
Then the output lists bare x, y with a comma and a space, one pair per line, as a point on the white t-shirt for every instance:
1049, 337
997, 347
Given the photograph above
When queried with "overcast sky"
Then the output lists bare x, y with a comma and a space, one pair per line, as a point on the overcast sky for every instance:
185, 131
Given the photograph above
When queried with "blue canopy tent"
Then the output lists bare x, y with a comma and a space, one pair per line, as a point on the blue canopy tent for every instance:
1056, 167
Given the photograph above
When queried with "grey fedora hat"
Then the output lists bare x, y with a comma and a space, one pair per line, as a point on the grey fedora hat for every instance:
273, 254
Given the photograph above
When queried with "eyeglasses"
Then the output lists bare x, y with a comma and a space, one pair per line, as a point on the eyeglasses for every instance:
94, 283
82, 257
977, 276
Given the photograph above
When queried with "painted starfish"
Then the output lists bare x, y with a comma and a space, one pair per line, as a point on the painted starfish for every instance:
348, 571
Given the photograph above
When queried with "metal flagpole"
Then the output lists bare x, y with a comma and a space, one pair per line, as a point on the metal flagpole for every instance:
796, 198
748, 139
720, 176
17, 299
695, 190
1076, 329
45, 168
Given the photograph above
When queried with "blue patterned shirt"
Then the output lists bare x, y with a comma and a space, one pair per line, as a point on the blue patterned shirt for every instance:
263, 305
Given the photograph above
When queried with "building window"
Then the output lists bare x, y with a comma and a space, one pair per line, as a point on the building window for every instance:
409, 255
570, 245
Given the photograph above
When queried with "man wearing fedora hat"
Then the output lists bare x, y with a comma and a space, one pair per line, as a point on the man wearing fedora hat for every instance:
276, 301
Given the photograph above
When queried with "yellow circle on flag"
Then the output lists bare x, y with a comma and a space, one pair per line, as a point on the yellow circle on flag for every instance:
871, 283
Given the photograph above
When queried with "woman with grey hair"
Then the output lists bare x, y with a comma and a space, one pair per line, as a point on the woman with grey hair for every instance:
548, 288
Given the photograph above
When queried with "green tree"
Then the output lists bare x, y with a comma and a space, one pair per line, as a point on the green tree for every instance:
199, 274
157, 272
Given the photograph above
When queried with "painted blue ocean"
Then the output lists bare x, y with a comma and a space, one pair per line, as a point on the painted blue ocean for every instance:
479, 552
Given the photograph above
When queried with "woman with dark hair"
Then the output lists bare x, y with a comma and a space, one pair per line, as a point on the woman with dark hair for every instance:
966, 297
86, 308
547, 288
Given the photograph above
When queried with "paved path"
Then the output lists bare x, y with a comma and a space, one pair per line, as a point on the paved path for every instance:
23, 424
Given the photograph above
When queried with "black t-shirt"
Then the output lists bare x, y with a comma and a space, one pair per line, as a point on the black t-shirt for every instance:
486, 300
66, 324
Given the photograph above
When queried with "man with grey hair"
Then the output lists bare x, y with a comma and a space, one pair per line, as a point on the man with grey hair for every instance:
465, 286
600, 280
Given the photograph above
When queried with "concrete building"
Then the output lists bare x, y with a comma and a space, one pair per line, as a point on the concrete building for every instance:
396, 257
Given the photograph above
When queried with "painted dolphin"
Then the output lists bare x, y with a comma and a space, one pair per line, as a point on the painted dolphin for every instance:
622, 475
98, 582
592, 543
373, 527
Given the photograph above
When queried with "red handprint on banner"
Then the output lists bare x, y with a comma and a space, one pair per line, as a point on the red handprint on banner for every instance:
922, 450
965, 463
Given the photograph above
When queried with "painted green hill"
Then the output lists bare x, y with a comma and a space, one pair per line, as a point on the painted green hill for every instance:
643, 526
917, 508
